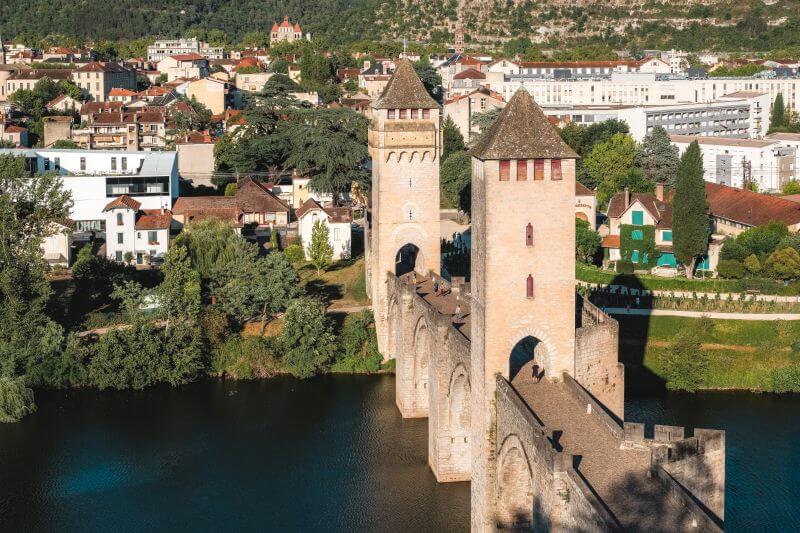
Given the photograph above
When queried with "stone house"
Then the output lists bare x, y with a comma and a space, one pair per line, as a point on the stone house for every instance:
339, 221
213, 93
733, 210
97, 79
187, 66
28, 78
252, 81
13, 133
585, 204
63, 102
142, 233
462, 107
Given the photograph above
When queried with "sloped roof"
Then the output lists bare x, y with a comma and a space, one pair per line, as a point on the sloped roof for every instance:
659, 210
119, 91
521, 132
96, 66
471, 74
405, 90
188, 57
583, 190
154, 219
123, 202
750, 208
335, 214
254, 197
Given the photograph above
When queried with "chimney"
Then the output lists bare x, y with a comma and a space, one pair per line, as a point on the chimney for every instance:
627, 198
660, 192
367, 64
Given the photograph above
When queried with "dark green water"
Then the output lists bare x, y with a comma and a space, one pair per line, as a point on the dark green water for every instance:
325, 454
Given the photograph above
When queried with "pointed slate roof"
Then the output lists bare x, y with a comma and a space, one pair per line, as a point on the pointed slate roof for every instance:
521, 132
405, 90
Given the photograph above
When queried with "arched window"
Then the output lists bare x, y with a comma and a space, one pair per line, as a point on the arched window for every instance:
529, 235
529, 287
119, 219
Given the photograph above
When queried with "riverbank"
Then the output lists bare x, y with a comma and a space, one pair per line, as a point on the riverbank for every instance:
741, 355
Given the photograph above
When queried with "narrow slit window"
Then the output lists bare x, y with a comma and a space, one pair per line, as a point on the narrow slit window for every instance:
529, 235
529, 287
505, 170
522, 169
555, 169
538, 169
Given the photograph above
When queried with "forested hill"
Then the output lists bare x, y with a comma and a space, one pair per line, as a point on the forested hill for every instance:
687, 24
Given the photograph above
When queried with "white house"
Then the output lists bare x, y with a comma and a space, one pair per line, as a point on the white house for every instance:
144, 234
339, 221
57, 247
95, 177
184, 66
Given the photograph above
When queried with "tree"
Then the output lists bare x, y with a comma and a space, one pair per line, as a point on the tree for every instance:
209, 243
455, 179
279, 66
587, 241
685, 362
320, 251
690, 210
430, 77
255, 39
658, 157
330, 146
785, 263
608, 163
16, 400
752, 264
483, 121
778, 113
306, 341
791, 187
764, 239
453, 141
65, 144
178, 294
230, 189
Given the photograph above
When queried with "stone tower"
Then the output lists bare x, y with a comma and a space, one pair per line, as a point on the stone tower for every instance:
523, 270
404, 144
459, 44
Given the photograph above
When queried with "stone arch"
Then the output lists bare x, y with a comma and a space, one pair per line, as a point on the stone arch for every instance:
426, 155
409, 258
459, 420
390, 155
514, 486
392, 329
528, 346
422, 361
583, 216
400, 157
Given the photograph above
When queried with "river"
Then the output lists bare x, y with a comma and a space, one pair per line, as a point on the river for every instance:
331, 453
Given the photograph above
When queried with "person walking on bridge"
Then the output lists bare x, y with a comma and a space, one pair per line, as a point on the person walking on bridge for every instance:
459, 317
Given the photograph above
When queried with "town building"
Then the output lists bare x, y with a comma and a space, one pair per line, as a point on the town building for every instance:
184, 66
196, 161
14, 134
97, 79
285, 31
338, 220
216, 95
462, 108
134, 234
252, 81
585, 204
768, 164
94, 178
124, 130
64, 102
466, 81
28, 78
164, 48
56, 128
57, 248
733, 210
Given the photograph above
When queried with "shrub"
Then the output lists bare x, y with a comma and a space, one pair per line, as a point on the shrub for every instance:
752, 264
244, 358
16, 400
294, 253
685, 362
624, 267
731, 269
306, 343
785, 263
358, 345
785, 379
733, 250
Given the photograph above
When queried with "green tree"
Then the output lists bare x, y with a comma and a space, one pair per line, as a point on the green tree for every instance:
279, 66
307, 343
764, 239
752, 264
690, 210
210, 243
320, 251
609, 162
255, 39
452, 141
455, 179
483, 121
685, 362
430, 77
791, 187
65, 144
778, 113
587, 241
658, 157
16, 400
178, 294
358, 345
230, 189
785, 263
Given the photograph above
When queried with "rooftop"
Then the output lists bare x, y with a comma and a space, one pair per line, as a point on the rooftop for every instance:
750, 208
721, 141
405, 90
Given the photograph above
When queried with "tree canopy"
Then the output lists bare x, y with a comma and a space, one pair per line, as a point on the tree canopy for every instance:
690, 210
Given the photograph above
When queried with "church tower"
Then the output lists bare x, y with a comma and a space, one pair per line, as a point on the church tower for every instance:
523, 270
404, 144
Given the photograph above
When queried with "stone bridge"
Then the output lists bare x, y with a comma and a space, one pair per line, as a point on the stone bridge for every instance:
564, 459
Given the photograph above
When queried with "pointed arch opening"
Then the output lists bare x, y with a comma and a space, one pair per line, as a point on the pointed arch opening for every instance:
528, 359
408, 259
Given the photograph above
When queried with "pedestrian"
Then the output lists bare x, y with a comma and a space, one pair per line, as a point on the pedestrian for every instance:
436, 287
413, 277
458, 313
638, 301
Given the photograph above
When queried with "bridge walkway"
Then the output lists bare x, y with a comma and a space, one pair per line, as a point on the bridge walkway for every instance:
618, 476
444, 304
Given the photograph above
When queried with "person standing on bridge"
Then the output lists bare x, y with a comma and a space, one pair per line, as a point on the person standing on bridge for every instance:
436, 287
458, 313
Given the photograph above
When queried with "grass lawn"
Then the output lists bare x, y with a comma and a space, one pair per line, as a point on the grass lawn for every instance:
741, 353
342, 285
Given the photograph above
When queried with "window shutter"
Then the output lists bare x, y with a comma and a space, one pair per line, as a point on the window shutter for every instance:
522, 169
415, 113
390, 114
426, 113
538, 169
529, 287
403, 113
555, 169
529, 235
505, 170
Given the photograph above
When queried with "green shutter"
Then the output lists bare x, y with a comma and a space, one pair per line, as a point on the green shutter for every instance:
637, 235
703, 264
635, 256
637, 218
666, 236
667, 259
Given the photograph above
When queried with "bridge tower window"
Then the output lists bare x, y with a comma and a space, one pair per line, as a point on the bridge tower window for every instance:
505, 170
529, 287
522, 169
555, 169
538, 169
529, 235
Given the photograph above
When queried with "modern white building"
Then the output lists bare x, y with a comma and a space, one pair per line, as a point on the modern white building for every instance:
732, 162
95, 178
339, 221
164, 48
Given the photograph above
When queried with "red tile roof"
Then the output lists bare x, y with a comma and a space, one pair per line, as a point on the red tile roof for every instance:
660, 211
187, 57
583, 190
96, 66
154, 219
750, 208
470, 74
123, 202
335, 214
610, 241
118, 91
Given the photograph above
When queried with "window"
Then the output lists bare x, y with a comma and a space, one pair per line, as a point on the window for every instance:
538, 169
404, 113
57, 165
529, 235
505, 170
152, 237
120, 238
637, 218
529, 287
390, 114
118, 256
667, 235
426, 113
415, 113
522, 169
336, 234
637, 235
124, 163
119, 219
83, 163
113, 163
635, 256
555, 169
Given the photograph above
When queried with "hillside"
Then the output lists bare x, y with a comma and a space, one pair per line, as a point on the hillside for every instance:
688, 24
